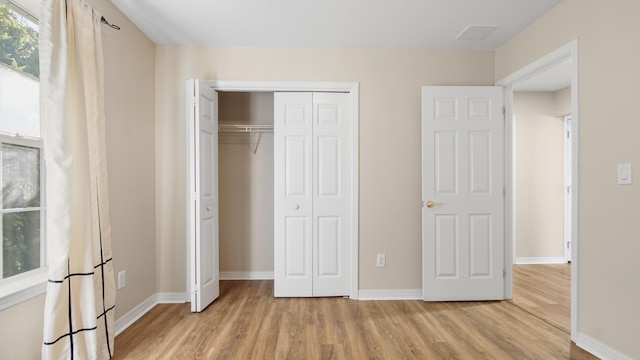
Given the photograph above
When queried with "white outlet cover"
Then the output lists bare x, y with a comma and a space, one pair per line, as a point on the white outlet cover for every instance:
121, 279
624, 174
381, 260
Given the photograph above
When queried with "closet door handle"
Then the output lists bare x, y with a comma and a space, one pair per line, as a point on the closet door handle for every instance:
296, 207
208, 208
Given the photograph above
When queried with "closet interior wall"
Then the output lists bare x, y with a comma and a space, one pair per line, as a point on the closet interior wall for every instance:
246, 187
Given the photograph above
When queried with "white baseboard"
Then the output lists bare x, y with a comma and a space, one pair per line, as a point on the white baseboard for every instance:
246, 275
171, 298
599, 349
137, 312
540, 260
409, 294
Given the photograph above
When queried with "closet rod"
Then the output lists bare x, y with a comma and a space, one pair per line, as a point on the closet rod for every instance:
238, 128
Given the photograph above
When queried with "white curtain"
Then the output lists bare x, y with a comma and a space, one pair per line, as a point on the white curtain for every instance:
79, 308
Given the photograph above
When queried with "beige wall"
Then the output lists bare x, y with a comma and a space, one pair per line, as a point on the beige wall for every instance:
129, 94
539, 180
609, 291
246, 185
129, 84
390, 82
21, 329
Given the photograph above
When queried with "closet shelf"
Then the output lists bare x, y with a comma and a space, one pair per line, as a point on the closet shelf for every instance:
238, 128
255, 132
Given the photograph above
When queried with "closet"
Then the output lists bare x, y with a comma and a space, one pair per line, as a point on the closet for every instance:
300, 138
272, 187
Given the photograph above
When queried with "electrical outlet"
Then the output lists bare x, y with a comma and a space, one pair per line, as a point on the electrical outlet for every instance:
381, 260
122, 279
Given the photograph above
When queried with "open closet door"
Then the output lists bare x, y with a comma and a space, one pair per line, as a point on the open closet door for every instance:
203, 194
463, 193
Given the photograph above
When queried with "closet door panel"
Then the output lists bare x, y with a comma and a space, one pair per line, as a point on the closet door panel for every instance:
296, 240
296, 167
293, 223
331, 206
329, 251
328, 166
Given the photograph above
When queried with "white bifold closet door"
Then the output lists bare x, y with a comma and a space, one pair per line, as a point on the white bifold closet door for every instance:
312, 212
202, 209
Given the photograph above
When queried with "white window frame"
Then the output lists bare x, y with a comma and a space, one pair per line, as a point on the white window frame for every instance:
27, 285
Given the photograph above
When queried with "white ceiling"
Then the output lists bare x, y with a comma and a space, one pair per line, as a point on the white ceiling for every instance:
425, 24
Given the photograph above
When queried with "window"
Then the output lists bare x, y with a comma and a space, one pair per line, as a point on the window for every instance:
22, 217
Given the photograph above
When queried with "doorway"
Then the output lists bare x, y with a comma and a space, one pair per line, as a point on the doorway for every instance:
568, 56
542, 175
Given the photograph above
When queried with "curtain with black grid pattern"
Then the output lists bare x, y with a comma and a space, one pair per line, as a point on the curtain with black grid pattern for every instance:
79, 307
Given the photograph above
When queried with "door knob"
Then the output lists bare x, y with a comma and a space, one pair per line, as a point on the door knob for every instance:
208, 208
296, 207
431, 204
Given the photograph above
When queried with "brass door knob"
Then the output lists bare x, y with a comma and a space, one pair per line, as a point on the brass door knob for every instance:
431, 204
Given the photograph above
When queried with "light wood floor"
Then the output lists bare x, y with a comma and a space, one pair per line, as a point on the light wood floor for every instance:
246, 322
545, 292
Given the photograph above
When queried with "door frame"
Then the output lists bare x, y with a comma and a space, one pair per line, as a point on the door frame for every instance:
568, 51
352, 88
567, 182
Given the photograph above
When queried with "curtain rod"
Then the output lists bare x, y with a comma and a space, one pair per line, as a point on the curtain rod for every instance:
113, 26
28, 14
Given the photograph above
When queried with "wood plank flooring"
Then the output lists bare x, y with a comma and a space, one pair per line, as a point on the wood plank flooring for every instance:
545, 292
247, 322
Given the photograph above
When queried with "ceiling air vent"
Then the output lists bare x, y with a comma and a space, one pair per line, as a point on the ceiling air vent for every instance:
476, 32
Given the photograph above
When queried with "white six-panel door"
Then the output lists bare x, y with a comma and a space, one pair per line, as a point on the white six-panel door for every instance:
203, 194
463, 193
312, 214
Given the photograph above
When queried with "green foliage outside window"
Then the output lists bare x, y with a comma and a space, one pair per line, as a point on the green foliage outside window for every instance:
18, 41
21, 195
21, 242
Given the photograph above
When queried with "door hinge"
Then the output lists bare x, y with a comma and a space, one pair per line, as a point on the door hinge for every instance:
504, 191
504, 273
568, 134
504, 111
194, 101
